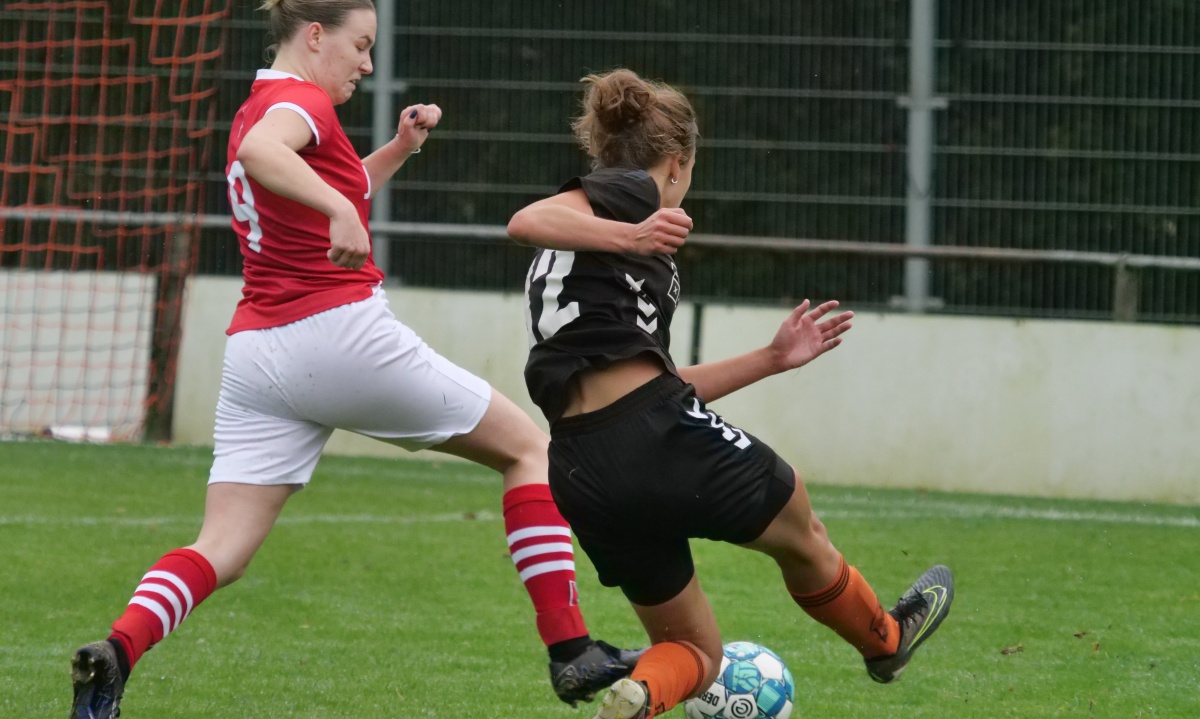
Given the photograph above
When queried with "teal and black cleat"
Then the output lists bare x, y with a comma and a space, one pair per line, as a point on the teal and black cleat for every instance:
595, 669
919, 612
96, 676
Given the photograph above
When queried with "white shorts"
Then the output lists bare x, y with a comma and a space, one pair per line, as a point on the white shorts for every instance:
354, 367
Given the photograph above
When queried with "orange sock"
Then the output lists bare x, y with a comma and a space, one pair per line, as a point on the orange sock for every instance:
671, 671
848, 606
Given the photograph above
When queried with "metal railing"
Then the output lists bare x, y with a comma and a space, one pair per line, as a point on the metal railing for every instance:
1125, 267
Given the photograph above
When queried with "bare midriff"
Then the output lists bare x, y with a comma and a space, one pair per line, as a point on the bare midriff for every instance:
596, 389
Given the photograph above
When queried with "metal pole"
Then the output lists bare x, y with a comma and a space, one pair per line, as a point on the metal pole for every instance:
921, 102
383, 121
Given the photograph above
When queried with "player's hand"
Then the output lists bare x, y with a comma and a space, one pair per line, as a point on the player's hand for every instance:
803, 337
415, 123
662, 233
350, 245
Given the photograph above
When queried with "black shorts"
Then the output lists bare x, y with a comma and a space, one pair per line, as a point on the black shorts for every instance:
641, 476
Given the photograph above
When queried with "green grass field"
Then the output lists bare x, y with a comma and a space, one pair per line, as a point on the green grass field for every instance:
386, 591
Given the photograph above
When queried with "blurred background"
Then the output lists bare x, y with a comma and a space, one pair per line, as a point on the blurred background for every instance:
1009, 159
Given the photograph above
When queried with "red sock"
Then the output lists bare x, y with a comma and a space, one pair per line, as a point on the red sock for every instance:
540, 542
168, 593
848, 606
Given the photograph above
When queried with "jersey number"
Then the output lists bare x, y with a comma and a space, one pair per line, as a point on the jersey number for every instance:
241, 198
555, 266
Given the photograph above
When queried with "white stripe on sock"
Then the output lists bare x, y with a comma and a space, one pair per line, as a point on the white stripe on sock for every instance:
183, 588
166, 594
537, 532
157, 609
534, 570
537, 549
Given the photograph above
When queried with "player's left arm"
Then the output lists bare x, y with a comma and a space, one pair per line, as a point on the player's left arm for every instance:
415, 123
566, 222
801, 338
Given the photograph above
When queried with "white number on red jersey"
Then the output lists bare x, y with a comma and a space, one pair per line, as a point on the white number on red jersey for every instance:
241, 198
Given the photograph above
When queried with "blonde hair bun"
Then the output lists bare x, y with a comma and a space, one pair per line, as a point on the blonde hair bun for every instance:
629, 121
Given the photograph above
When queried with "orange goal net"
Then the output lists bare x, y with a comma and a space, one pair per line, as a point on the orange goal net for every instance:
106, 124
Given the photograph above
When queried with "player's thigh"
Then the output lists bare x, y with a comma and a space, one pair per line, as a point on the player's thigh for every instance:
504, 436
258, 438
357, 368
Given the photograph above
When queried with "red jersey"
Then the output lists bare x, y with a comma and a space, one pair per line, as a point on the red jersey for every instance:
288, 275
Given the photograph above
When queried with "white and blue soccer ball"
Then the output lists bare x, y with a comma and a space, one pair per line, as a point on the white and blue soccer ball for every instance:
753, 683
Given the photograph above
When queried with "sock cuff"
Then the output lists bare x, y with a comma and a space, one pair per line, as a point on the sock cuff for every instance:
830, 592
526, 493
197, 559
702, 664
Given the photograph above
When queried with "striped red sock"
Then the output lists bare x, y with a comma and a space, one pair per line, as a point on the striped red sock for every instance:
539, 540
168, 593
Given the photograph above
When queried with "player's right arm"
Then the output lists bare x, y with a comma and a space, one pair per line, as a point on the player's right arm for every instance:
270, 154
566, 222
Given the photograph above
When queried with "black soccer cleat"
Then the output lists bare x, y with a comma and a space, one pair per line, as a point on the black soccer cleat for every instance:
594, 669
919, 612
626, 699
98, 683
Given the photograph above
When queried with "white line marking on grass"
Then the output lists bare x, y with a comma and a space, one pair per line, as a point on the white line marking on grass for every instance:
477, 516
838, 508
936, 508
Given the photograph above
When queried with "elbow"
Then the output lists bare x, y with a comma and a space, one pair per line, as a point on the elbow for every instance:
250, 154
246, 155
519, 229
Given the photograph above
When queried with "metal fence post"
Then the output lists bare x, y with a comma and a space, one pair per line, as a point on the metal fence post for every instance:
1125, 291
383, 120
920, 102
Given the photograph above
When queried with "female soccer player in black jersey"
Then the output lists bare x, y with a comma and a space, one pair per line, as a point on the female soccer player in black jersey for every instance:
638, 463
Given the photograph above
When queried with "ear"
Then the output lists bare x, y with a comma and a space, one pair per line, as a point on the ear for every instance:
313, 34
674, 169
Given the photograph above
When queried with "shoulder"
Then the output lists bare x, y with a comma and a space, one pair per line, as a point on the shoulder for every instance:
625, 194
272, 89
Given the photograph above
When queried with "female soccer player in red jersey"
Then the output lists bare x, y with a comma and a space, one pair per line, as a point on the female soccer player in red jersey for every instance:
313, 347
638, 463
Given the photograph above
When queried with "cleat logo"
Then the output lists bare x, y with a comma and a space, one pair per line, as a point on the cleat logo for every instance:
935, 598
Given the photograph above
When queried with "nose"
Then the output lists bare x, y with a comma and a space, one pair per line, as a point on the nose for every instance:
367, 67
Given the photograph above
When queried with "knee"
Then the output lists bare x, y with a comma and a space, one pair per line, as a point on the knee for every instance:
231, 575
816, 533
529, 444
711, 669
228, 567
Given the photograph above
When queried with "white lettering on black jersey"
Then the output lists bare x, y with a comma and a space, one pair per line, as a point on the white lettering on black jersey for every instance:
590, 309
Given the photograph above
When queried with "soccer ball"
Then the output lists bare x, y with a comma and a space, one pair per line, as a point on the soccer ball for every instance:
753, 683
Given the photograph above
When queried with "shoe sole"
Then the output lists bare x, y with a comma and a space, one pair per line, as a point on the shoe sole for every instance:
625, 700
83, 668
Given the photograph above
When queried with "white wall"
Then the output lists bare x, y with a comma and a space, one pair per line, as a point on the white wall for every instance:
1050, 408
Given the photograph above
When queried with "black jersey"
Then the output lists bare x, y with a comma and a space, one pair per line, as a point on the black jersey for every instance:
586, 310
